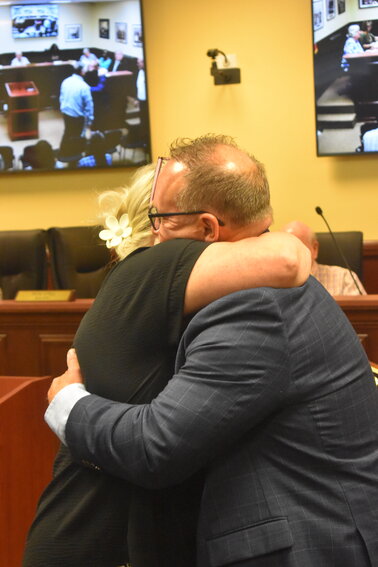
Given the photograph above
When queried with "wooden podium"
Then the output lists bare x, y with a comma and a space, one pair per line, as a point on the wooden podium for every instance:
27, 451
22, 110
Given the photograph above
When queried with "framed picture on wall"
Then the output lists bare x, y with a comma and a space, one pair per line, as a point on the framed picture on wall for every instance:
317, 14
73, 32
121, 32
137, 36
368, 3
103, 28
331, 9
340, 6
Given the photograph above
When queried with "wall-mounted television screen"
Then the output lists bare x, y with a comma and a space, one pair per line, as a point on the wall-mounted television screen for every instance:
34, 20
345, 53
73, 95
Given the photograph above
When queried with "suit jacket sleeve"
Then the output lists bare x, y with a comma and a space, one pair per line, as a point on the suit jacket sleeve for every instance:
229, 378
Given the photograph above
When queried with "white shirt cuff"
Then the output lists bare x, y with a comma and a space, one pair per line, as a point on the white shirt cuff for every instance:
56, 415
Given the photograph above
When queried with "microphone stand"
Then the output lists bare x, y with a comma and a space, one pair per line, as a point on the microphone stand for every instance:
319, 211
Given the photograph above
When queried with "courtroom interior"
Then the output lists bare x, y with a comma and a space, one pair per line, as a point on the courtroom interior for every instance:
293, 109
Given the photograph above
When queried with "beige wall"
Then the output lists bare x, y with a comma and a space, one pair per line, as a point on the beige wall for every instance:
271, 113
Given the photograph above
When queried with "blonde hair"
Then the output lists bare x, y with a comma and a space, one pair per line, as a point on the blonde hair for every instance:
133, 200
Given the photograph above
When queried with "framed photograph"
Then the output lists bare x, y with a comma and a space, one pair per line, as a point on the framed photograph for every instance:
73, 32
340, 6
121, 32
317, 14
368, 3
331, 9
137, 36
103, 28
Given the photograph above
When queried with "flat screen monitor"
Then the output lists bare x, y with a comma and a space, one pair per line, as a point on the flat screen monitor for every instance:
345, 56
73, 88
34, 20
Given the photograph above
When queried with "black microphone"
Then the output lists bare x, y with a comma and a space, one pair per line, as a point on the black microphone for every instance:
320, 212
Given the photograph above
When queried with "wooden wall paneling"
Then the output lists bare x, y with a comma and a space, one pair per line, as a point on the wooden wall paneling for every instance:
370, 266
38, 335
53, 351
362, 312
3, 351
27, 452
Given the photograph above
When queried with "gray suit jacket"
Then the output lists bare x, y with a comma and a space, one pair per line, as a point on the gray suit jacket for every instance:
274, 395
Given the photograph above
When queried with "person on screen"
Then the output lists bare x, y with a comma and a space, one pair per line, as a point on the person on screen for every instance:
367, 38
352, 44
370, 140
76, 104
54, 52
95, 76
119, 63
19, 60
97, 156
105, 60
39, 156
142, 94
87, 58
335, 279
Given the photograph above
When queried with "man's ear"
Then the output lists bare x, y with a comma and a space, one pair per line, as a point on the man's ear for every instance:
209, 227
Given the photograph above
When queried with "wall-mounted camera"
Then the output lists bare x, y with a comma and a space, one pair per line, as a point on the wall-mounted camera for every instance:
223, 68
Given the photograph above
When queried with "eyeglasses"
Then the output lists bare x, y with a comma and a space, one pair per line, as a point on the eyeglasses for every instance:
153, 214
155, 217
159, 163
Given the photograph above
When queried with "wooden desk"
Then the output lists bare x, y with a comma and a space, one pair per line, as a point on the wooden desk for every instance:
362, 312
372, 53
35, 336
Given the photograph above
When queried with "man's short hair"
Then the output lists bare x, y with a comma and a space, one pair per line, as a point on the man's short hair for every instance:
241, 195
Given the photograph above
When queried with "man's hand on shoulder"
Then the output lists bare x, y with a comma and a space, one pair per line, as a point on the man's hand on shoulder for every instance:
71, 376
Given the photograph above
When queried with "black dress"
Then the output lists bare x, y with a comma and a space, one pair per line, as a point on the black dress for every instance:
126, 345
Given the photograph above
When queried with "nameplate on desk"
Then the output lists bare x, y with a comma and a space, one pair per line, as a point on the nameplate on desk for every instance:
45, 295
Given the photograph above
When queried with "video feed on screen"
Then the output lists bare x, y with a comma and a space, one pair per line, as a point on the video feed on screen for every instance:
34, 20
73, 89
345, 53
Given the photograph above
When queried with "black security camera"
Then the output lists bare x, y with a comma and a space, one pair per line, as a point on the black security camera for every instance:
222, 76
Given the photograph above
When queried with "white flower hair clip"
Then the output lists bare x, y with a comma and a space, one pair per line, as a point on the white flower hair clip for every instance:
117, 230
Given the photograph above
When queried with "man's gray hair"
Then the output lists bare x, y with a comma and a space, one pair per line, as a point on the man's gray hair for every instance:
353, 29
240, 194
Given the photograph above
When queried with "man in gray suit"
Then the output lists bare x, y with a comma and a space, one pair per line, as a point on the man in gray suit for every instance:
273, 395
